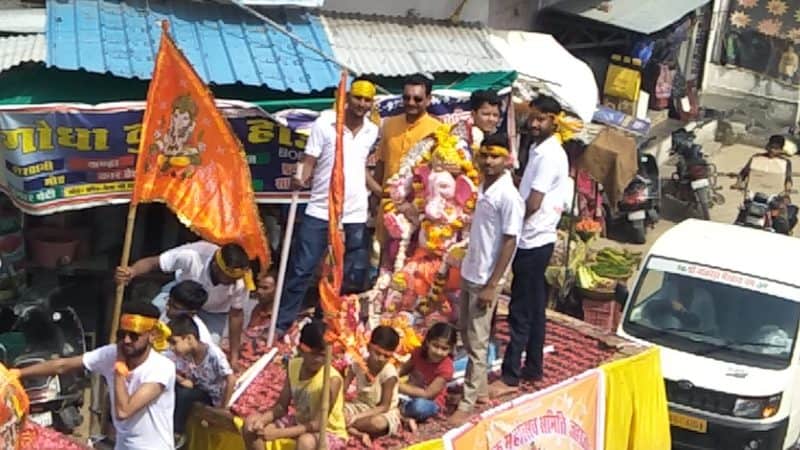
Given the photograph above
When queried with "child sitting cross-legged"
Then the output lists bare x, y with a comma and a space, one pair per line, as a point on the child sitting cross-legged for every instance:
203, 373
429, 369
303, 388
374, 411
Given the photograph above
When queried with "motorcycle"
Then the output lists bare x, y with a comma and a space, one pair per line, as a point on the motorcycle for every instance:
768, 213
641, 200
694, 179
30, 333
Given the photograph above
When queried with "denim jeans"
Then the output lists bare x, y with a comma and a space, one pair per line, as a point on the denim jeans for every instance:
309, 247
420, 409
526, 315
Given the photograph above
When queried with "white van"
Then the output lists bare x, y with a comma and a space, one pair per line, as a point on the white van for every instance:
723, 303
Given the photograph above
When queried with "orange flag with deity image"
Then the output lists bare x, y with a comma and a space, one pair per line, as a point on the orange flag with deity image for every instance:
190, 159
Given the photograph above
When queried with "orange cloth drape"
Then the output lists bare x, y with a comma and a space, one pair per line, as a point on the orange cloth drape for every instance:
190, 159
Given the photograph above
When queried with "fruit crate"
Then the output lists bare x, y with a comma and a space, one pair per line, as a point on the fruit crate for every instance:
604, 314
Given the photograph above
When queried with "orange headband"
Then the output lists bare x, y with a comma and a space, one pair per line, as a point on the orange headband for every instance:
363, 88
494, 150
381, 351
235, 273
141, 324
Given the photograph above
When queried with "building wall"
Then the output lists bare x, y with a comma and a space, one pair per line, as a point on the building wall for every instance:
473, 11
512, 14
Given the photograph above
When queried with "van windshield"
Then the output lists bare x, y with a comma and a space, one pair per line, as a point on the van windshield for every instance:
715, 313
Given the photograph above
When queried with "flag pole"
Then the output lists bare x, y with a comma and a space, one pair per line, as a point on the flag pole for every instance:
322, 442
126, 256
287, 242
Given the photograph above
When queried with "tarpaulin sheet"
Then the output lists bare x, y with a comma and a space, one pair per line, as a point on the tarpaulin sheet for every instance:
612, 161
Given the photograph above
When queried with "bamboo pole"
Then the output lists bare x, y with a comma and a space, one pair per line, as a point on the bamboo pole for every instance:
287, 242
126, 256
325, 404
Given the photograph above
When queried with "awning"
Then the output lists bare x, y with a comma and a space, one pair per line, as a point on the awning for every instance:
224, 44
397, 46
539, 57
15, 50
641, 16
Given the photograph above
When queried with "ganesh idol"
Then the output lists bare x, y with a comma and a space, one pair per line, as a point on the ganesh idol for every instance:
438, 178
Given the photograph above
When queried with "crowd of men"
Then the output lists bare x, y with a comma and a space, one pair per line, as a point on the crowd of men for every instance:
514, 225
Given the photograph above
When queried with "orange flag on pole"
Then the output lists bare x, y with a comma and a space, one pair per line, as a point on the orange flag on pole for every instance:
331, 282
190, 159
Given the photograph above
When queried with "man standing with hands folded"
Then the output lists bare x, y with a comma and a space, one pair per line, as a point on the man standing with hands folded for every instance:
496, 224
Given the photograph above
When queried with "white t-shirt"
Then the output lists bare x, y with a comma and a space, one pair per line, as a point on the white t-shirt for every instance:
321, 145
193, 262
151, 427
547, 172
498, 211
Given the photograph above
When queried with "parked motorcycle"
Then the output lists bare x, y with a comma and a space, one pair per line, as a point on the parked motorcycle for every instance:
30, 333
640, 205
768, 213
695, 179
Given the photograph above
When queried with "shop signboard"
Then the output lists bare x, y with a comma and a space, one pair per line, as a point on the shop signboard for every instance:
569, 416
59, 157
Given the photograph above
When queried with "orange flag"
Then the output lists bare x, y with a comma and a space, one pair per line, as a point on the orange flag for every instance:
331, 282
190, 159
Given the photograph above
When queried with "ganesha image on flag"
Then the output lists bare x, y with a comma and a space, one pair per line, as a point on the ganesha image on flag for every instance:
439, 179
173, 150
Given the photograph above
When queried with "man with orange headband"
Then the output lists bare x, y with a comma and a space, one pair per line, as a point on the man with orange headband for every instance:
496, 225
141, 381
311, 240
225, 274
546, 188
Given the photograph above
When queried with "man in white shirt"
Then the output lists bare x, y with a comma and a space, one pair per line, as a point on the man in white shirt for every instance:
544, 187
224, 272
141, 380
496, 224
311, 241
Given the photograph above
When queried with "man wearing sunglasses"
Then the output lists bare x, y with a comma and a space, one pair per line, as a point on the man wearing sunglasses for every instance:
398, 135
141, 380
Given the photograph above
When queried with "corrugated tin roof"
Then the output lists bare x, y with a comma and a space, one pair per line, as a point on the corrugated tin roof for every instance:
641, 16
392, 46
15, 50
223, 43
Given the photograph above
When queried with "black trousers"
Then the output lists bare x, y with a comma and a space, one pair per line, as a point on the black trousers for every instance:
526, 315
184, 398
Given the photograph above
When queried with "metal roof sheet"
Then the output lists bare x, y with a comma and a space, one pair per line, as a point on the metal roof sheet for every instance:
393, 46
22, 20
224, 44
641, 16
15, 50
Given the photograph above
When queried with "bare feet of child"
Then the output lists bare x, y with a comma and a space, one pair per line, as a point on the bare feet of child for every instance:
412, 425
363, 437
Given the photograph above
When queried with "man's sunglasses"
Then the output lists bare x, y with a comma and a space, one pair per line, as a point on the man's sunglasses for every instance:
122, 333
417, 99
